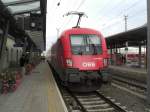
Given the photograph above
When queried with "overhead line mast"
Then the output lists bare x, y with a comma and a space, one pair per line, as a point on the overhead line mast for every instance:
80, 14
125, 19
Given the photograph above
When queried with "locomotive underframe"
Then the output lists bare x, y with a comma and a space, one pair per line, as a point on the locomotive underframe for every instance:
83, 80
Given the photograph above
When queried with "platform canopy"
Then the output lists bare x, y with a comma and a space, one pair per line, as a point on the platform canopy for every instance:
22, 6
133, 37
22, 10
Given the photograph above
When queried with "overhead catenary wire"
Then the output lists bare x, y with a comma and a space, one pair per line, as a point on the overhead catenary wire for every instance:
111, 9
131, 21
53, 8
63, 23
130, 17
106, 4
115, 23
69, 20
57, 8
121, 2
82, 2
113, 29
126, 9
137, 13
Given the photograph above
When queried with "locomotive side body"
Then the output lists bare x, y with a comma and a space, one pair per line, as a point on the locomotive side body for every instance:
80, 58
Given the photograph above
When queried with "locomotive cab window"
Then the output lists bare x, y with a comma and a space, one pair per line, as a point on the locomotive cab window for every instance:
85, 44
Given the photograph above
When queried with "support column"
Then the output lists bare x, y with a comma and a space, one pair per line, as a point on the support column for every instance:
3, 46
140, 55
30, 54
148, 52
126, 52
116, 49
146, 56
25, 46
111, 55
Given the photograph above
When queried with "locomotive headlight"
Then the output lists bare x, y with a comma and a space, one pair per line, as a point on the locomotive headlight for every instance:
105, 62
69, 62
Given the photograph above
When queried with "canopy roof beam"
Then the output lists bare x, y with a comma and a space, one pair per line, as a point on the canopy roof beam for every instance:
15, 3
27, 11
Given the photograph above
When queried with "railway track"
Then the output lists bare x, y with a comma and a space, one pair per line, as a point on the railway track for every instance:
130, 82
134, 87
91, 102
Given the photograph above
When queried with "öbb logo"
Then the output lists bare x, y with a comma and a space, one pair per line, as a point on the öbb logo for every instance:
88, 64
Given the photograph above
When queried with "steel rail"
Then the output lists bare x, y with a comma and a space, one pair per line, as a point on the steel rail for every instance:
76, 99
118, 108
130, 83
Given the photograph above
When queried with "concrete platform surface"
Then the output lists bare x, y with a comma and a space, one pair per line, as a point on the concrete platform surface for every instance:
38, 92
138, 74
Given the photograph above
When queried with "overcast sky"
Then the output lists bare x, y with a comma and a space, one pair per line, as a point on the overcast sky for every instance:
106, 16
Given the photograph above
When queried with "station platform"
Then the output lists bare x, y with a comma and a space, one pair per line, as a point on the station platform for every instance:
38, 92
138, 74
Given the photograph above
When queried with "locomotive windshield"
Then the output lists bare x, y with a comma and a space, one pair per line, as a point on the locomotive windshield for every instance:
86, 44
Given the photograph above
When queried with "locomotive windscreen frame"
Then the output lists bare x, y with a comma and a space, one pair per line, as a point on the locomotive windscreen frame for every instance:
85, 44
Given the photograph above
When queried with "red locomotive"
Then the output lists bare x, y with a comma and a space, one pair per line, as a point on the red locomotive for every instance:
80, 58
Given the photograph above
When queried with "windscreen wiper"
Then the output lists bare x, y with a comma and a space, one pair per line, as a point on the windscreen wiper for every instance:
94, 47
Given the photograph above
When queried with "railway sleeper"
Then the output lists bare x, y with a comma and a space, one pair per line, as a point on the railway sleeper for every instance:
101, 110
97, 106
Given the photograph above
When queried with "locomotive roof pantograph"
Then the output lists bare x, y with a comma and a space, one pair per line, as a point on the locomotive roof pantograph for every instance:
80, 14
